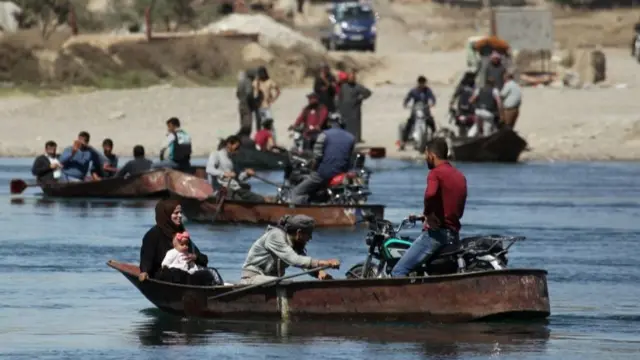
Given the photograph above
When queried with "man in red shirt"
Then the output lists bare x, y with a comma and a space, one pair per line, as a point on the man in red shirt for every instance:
444, 201
312, 120
264, 137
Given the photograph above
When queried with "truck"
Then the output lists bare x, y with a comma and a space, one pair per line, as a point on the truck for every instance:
352, 26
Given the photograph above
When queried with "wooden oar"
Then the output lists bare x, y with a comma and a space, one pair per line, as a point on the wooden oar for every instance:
266, 181
223, 195
266, 283
17, 186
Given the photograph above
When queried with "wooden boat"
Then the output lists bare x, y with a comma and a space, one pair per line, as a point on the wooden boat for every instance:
503, 294
200, 205
149, 184
505, 145
268, 213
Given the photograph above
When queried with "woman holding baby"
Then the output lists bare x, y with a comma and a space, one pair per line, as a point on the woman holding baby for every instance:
168, 254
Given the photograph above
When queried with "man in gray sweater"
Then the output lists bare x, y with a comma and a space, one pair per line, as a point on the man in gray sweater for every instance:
282, 246
222, 173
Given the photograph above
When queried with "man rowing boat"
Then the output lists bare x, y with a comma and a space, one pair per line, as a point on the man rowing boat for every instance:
282, 246
222, 173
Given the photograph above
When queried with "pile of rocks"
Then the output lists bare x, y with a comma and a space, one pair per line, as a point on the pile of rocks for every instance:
271, 33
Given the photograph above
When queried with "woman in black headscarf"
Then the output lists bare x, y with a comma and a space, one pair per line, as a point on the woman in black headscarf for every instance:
159, 239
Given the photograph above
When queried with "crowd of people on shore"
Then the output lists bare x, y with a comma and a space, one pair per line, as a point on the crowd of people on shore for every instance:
338, 94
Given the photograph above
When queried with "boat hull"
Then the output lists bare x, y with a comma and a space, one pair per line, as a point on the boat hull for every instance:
503, 294
503, 146
151, 184
269, 213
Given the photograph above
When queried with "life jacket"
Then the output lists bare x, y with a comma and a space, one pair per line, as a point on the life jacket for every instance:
180, 149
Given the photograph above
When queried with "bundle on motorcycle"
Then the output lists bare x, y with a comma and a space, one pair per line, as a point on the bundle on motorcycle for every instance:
452, 298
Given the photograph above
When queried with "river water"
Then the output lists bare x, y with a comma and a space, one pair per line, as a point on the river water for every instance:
58, 299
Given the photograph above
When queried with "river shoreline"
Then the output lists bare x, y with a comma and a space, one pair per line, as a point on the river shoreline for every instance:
596, 124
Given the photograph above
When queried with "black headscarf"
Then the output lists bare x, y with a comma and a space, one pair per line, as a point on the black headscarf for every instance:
164, 209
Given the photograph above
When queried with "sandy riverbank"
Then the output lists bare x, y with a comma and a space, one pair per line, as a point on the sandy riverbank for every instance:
560, 124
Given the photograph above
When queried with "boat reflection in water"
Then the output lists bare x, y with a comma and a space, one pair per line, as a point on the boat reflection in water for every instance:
449, 340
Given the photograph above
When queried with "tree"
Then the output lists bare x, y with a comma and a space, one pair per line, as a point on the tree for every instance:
48, 15
173, 13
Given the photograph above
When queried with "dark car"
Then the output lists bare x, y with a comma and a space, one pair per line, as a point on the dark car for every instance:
353, 26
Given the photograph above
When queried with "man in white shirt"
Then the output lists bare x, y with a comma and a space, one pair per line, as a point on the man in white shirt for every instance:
511, 96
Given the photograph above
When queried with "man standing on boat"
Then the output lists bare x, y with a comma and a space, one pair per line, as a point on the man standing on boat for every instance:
332, 153
282, 246
77, 159
444, 201
46, 167
222, 173
179, 146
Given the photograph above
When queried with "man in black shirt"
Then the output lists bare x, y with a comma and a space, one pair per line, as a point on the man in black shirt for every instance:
46, 167
138, 165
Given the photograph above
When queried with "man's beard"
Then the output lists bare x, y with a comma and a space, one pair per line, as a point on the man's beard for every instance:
430, 165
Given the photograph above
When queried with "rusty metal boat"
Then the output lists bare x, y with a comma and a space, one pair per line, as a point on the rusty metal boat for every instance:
502, 294
151, 184
200, 205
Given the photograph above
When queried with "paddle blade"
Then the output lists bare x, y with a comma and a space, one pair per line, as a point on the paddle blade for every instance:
377, 152
17, 186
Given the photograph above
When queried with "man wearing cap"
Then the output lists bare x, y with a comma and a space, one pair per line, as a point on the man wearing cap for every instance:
332, 156
312, 120
282, 246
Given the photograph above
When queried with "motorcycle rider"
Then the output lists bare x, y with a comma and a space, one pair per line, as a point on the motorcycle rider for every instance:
332, 152
311, 120
421, 93
444, 201
488, 106
460, 103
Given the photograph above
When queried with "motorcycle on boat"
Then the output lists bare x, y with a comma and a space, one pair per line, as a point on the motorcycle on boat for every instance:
421, 133
472, 254
350, 188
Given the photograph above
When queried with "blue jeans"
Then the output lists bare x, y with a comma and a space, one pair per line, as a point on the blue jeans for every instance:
67, 178
427, 243
302, 193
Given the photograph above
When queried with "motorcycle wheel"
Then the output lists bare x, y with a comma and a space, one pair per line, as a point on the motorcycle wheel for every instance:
356, 271
482, 266
424, 139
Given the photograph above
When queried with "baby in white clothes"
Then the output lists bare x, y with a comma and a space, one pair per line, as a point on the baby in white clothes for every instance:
179, 257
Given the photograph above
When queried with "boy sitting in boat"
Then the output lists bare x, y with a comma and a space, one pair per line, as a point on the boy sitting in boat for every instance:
282, 246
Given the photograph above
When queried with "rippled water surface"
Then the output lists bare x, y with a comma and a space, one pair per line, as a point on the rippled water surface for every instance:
58, 299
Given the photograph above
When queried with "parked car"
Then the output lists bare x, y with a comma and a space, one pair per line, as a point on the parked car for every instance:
353, 26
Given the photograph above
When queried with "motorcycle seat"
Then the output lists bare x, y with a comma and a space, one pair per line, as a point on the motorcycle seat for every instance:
339, 179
